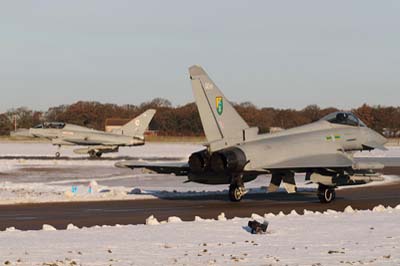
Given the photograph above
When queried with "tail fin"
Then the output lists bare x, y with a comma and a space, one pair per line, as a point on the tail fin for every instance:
137, 126
219, 118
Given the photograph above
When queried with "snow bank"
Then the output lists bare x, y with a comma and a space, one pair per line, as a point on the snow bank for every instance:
349, 209
174, 219
379, 208
152, 221
47, 227
363, 237
72, 227
221, 217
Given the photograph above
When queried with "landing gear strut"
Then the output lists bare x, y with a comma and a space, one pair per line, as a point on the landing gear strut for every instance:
236, 188
93, 154
326, 194
58, 154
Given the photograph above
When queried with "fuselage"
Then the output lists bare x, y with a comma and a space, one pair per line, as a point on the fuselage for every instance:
320, 146
76, 135
313, 139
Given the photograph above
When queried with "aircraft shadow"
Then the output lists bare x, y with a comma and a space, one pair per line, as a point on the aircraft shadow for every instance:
223, 196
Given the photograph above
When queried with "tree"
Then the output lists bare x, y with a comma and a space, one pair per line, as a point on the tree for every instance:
6, 125
185, 120
312, 112
365, 113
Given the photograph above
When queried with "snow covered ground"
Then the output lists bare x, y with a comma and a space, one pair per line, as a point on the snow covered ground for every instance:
76, 179
146, 151
349, 238
332, 238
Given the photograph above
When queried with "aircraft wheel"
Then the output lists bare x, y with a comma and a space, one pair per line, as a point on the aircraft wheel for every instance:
236, 193
98, 154
58, 155
92, 154
326, 194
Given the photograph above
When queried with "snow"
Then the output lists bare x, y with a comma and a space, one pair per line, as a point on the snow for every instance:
47, 227
174, 219
349, 209
72, 227
34, 180
379, 208
221, 217
129, 187
363, 237
152, 221
148, 150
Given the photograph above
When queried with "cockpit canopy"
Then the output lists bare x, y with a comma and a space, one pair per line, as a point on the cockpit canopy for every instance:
344, 118
55, 125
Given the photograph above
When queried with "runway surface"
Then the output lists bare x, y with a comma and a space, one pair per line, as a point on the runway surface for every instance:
33, 216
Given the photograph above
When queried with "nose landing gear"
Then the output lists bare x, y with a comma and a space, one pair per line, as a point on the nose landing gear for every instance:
95, 154
58, 154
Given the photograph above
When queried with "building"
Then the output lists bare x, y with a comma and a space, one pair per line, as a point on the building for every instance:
115, 123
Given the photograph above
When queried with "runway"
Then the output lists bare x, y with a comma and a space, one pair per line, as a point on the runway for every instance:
33, 216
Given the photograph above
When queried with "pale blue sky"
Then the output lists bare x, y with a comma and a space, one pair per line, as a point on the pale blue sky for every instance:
272, 53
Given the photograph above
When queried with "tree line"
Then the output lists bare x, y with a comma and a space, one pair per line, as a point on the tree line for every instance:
185, 120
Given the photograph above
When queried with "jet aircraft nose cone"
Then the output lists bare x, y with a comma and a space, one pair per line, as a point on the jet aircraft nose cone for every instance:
381, 139
376, 137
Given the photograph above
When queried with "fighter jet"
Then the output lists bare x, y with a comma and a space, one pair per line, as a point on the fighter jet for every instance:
235, 153
98, 142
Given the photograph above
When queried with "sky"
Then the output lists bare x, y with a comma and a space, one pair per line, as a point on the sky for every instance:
283, 54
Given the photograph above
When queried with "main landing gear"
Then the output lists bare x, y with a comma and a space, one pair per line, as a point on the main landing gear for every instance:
236, 188
326, 194
58, 154
95, 155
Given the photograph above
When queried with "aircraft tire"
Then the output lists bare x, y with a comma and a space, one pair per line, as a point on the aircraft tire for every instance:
235, 193
92, 154
326, 194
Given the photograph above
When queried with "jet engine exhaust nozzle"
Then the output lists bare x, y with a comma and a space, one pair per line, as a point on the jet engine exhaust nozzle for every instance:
199, 161
229, 160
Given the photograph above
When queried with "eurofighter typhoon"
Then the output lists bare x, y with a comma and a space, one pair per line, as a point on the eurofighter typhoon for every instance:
98, 142
235, 153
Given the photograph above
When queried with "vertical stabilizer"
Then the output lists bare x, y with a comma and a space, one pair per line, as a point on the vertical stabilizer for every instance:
221, 122
137, 126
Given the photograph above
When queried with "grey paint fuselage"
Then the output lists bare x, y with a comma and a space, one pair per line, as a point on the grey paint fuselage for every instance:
77, 135
267, 150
